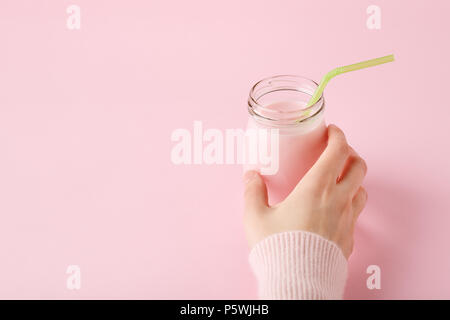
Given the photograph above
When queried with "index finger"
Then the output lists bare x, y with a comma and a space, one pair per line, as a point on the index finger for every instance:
332, 160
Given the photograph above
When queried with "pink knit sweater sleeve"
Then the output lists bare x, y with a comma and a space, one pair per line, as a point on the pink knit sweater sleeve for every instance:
298, 265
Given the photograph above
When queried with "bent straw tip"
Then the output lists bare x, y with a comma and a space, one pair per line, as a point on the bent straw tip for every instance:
390, 57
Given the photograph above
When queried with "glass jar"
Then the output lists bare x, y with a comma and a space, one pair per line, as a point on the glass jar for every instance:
280, 103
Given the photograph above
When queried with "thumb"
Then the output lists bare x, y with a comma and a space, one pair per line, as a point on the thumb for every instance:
255, 196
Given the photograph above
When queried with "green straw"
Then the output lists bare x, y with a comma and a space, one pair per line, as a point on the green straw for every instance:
360, 65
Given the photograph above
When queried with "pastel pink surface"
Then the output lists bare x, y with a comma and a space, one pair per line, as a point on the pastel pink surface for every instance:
86, 118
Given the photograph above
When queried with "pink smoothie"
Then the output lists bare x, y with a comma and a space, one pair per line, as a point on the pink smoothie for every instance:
299, 147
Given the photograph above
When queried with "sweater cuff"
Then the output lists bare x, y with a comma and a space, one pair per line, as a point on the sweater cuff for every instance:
299, 265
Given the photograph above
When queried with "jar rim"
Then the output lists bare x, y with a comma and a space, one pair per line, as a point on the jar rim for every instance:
255, 108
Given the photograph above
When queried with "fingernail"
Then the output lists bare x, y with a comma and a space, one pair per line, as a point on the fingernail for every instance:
249, 175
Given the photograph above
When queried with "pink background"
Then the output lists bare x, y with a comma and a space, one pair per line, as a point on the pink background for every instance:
86, 118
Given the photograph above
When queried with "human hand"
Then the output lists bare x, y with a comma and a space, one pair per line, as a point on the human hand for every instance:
327, 200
